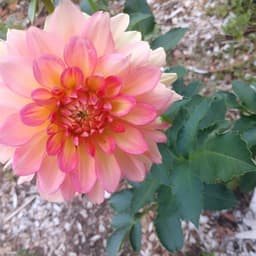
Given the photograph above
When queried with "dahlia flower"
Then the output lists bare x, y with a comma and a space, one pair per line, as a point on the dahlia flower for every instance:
80, 103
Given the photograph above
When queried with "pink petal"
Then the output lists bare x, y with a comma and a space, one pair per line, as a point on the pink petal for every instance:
66, 20
108, 170
85, 176
47, 70
72, 77
122, 105
141, 80
160, 97
156, 136
16, 43
34, 115
141, 114
96, 83
67, 188
9, 135
131, 168
28, 157
106, 143
42, 96
97, 30
138, 52
80, 52
23, 179
68, 156
153, 152
131, 141
55, 197
23, 82
41, 42
96, 195
113, 86
49, 175
113, 64
54, 143
6, 154
10, 99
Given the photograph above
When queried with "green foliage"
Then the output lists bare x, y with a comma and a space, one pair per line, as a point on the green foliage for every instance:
142, 18
170, 39
244, 15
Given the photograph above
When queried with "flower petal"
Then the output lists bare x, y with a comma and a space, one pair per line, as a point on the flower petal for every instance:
40, 42
113, 86
168, 78
122, 105
97, 30
9, 135
161, 97
17, 44
67, 189
69, 16
157, 57
127, 37
34, 115
68, 156
106, 143
138, 52
131, 168
85, 176
17, 74
79, 52
141, 80
112, 64
141, 114
108, 170
119, 23
49, 175
47, 70
27, 158
131, 141
72, 77
54, 143
96, 195
6, 153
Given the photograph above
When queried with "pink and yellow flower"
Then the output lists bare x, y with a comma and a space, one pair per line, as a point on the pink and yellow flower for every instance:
80, 103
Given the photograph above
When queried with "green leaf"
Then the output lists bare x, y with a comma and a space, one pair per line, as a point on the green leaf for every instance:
187, 189
136, 18
132, 7
121, 201
229, 98
221, 158
144, 193
215, 113
248, 182
246, 125
192, 88
48, 5
32, 9
122, 220
167, 222
179, 70
187, 136
86, 7
169, 40
246, 95
135, 237
217, 197
115, 240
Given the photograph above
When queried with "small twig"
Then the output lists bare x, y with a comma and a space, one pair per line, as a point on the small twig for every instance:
11, 215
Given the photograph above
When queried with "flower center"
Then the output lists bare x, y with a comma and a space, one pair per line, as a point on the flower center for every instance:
82, 116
